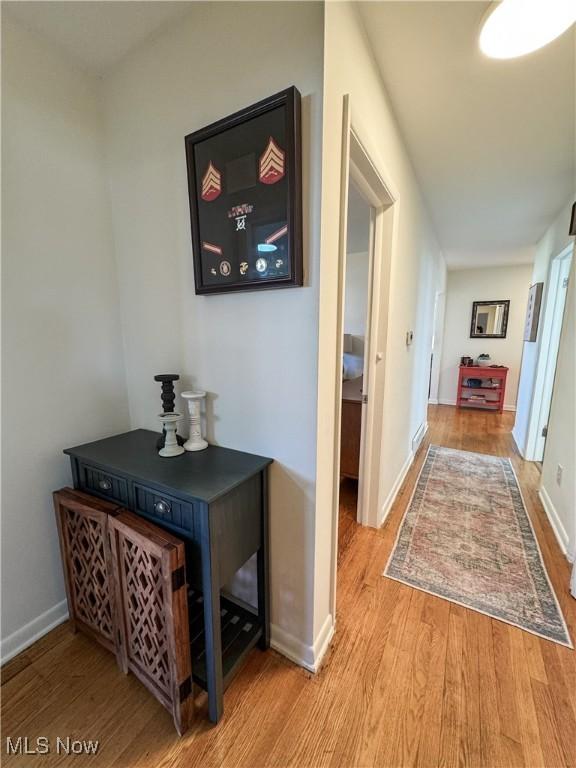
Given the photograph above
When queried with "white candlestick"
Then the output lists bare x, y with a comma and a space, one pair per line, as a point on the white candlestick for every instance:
171, 447
195, 441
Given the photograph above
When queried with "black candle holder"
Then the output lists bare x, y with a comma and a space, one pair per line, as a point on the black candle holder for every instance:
168, 398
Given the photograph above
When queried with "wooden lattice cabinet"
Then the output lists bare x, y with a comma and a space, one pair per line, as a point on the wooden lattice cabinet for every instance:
126, 588
152, 610
87, 560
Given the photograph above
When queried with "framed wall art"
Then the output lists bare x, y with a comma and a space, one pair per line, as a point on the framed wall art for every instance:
489, 319
533, 312
245, 191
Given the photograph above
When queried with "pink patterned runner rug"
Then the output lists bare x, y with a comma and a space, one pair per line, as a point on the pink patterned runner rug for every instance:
466, 537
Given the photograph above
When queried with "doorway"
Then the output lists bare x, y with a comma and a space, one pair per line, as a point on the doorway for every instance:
374, 186
436, 346
550, 344
357, 297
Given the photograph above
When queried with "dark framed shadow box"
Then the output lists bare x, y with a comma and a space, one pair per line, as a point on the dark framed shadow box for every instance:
245, 192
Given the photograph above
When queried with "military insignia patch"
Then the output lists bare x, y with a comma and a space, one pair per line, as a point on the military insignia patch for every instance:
211, 183
272, 162
277, 235
212, 248
225, 268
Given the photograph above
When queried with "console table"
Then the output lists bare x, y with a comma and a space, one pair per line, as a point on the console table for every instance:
215, 502
489, 394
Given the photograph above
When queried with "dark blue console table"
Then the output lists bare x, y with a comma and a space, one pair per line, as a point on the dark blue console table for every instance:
216, 502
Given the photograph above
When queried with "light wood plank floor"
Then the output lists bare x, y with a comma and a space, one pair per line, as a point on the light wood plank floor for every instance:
410, 679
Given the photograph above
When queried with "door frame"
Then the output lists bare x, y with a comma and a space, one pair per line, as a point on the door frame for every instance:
436, 345
376, 187
547, 355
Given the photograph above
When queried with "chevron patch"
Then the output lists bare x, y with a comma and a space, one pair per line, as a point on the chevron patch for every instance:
211, 183
212, 248
277, 235
272, 162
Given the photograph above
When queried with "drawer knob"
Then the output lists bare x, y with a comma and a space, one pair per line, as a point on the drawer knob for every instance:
162, 507
105, 484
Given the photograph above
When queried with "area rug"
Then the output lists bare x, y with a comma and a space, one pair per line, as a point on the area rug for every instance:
466, 537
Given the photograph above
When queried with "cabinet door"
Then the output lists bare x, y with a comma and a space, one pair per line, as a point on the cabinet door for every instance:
151, 597
86, 557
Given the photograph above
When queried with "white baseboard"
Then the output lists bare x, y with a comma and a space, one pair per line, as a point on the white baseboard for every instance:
419, 436
28, 634
554, 519
432, 401
322, 642
307, 656
391, 498
516, 443
453, 402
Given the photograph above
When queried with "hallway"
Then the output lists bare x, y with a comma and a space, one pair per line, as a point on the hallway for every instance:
409, 680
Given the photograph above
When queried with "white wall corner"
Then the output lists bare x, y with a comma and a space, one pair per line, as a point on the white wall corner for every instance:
307, 656
555, 521
391, 498
24, 637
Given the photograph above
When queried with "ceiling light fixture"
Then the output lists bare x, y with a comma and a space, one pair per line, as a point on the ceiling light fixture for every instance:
516, 27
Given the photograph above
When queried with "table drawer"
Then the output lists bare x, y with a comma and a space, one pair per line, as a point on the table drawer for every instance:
102, 483
164, 508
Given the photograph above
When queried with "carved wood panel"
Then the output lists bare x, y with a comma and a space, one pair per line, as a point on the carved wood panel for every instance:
149, 568
83, 530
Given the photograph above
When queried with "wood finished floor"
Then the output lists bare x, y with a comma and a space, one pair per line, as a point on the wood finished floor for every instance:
347, 525
409, 680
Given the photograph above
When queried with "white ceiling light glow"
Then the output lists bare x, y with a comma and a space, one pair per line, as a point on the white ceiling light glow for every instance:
517, 27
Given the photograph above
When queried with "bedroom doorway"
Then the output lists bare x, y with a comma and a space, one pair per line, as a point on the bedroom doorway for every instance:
357, 296
375, 186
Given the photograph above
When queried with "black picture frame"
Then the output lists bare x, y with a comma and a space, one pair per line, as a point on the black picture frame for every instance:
270, 206
475, 305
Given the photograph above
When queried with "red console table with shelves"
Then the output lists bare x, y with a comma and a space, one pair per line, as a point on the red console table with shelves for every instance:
489, 396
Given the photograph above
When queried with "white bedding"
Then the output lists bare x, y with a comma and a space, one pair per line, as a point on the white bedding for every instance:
352, 366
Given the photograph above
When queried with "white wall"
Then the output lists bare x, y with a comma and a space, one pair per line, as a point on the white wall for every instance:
63, 372
255, 353
464, 286
356, 303
417, 269
560, 498
552, 243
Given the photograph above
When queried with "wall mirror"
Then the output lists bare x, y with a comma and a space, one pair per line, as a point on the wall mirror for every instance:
489, 319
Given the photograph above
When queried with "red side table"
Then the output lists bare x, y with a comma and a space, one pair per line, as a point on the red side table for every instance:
489, 396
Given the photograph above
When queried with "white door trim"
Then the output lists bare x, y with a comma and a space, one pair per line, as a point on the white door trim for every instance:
377, 188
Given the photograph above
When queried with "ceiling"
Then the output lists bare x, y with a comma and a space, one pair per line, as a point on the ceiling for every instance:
97, 34
492, 142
